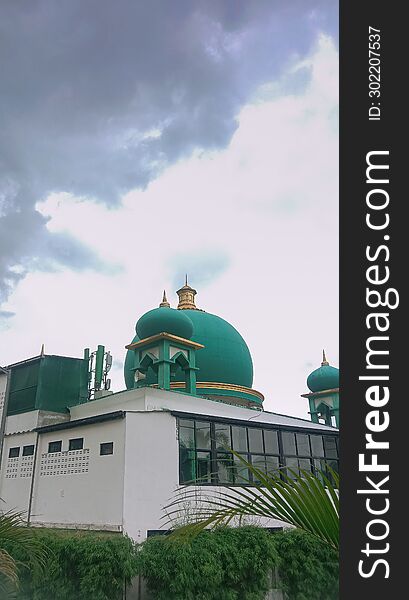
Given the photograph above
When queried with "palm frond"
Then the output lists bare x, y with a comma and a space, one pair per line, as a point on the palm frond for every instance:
305, 500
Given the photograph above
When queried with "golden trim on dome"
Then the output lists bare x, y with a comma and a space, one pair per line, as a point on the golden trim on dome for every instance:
231, 387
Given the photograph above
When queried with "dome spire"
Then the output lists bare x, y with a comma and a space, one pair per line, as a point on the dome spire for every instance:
164, 301
187, 297
324, 363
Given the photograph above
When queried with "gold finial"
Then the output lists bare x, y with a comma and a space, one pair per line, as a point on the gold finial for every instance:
164, 301
42, 353
324, 363
187, 297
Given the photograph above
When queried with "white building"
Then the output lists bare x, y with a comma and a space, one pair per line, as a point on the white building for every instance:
113, 462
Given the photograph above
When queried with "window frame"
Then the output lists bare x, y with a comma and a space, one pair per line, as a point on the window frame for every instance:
75, 440
110, 444
216, 450
54, 451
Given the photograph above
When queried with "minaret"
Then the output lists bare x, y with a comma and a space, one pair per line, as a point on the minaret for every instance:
323, 397
187, 297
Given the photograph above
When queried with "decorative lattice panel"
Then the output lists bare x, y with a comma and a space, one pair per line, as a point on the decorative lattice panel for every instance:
69, 462
13, 468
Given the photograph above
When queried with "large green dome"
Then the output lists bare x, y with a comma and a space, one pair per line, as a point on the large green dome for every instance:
225, 357
224, 366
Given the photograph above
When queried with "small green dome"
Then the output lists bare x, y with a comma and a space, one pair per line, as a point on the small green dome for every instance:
164, 319
323, 378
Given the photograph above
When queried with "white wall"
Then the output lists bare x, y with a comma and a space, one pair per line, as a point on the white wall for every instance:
15, 475
80, 488
151, 470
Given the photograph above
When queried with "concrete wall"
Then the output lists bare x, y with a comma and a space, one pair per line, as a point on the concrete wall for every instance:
151, 470
80, 488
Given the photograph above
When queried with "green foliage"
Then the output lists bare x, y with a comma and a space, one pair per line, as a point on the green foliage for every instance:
15, 533
308, 568
233, 564
80, 566
225, 564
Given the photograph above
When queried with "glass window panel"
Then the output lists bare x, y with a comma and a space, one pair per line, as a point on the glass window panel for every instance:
239, 435
288, 439
186, 437
106, 448
330, 446
255, 439
203, 467
319, 468
304, 464
76, 444
225, 468
272, 464
55, 446
187, 465
271, 441
202, 434
317, 446
14, 452
187, 423
241, 472
259, 462
28, 450
303, 444
292, 463
222, 433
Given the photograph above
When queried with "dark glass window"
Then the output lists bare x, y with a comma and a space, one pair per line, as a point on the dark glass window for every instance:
255, 440
317, 447
28, 450
292, 463
271, 441
288, 439
225, 468
55, 446
204, 467
187, 465
304, 464
303, 444
222, 436
106, 448
76, 444
272, 464
205, 452
187, 433
330, 446
14, 452
241, 472
203, 439
239, 435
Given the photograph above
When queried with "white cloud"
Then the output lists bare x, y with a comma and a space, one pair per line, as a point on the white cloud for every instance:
267, 205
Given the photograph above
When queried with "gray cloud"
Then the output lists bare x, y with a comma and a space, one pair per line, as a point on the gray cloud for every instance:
98, 97
201, 268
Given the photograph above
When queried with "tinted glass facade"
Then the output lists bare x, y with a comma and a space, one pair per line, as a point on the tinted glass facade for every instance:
205, 455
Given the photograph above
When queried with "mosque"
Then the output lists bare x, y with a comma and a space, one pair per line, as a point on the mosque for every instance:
76, 455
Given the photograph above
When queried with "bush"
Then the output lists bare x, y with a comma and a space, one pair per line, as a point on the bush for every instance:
308, 568
81, 566
226, 564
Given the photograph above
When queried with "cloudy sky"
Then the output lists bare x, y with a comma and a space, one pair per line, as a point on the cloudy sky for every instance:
144, 139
